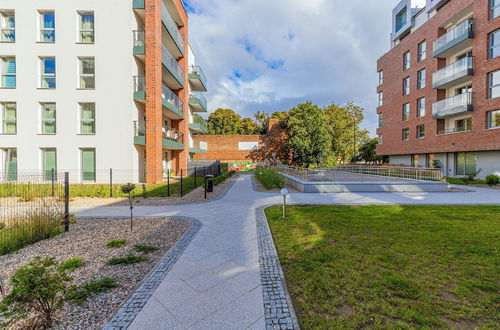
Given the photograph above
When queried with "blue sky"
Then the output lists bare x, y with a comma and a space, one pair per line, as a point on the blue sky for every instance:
271, 55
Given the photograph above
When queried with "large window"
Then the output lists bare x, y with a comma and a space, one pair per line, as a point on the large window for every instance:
463, 125
380, 120
406, 86
405, 134
422, 51
406, 112
380, 77
421, 107
7, 26
87, 72
87, 118
465, 163
88, 164
8, 70
47, 72
49, 162
48, 118
8, 117
494, 84
86, 20
401, 19
420, 132
494, 119
47, 26
10, 163
494, 8
494, 50
406, 61
421, 79
380, 99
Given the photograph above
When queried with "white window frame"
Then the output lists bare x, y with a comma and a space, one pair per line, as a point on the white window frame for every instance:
82, 75
3, 120
44, 75
380, 98
48, 120
405, 115
421, 110
81, 120
422, 51
82, 30
492, 8
490, 84
380, 77
421, 79
3, 28
43, 29
406, 86
491, 47
380, 120
490, 113
406, 61
3, 60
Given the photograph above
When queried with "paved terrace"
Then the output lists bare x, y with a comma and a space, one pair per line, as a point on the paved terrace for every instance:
216, 282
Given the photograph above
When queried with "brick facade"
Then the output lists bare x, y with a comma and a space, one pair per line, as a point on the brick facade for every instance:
480, 138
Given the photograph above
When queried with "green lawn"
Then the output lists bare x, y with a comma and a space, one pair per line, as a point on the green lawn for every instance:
391, 267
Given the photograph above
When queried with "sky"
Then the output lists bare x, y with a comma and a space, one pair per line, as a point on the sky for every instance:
272, 55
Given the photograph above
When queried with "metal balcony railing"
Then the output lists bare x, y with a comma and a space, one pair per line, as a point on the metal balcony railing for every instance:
461, 31
198, 71
453, 130
171, 98
200, 98
172, 28
452, 106
172, 63
459, 69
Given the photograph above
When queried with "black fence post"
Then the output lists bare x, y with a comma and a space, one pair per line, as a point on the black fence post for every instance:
52, 178
110, 182
195, 177
66, 201
204, 171
181, 184
205, 184
168, 183
220, 169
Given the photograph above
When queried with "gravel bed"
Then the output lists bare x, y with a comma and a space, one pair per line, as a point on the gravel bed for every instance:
195, 196
87, 239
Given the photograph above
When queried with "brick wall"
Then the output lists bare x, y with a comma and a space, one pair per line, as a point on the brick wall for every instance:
479, 138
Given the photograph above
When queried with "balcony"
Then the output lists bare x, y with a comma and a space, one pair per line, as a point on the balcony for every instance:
174, 75
139, 43
138, 4
457, 105
454, 40
171, 137
453, 130
453, 74
199, 147
172, 103
140, 89
198, 124
197, 79
198, 102
173, 31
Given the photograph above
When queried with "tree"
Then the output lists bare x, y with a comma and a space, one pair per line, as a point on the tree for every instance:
262, 119
368, 152
248, 127
224, 122
308, 139
279, 115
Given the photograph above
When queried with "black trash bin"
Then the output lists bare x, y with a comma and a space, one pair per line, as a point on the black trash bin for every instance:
209, 183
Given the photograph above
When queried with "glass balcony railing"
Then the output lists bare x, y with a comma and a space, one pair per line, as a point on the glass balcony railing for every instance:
461, 32
168, 133
139, 42
172, 28
199, 122
195, 72
452, 106
172, 65
453, 130
452, 72
172, 99
198, 97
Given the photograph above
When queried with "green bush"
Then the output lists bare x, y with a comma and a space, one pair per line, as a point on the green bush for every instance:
72, 264
492, 179
224, 167
2, 225
145, 248
127, 260
38, 290
116, 243
223, 177
269, 178
81, 293
471, 176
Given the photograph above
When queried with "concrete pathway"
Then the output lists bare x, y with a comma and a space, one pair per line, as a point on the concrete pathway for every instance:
216, 282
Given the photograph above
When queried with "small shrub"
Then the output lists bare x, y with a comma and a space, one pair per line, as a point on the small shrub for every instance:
116, 243
72, 264
223, 177
492, 179
81, 293
2, 225
145, 248
436, 163
471, 176
38, 290
127, 260
270, 178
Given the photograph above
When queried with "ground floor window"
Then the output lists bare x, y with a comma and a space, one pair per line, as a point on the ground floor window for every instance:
10, 164
88, 164
494, 119
49, 160
465, 162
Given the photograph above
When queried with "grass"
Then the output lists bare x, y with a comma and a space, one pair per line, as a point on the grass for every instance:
116, 243
127, 260
391, 267
460, 181
145, 248
81, 293
269, 178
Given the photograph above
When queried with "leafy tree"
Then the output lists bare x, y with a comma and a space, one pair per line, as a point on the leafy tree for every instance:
224, 122
308, 139
262, 119
368, 152
248, 127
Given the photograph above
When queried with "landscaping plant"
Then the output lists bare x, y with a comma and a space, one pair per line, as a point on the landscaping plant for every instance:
38, 290
81, 293
116, 243
492, 179
72, 264
145, 248
471, 176
270, 178
127, 260
127, 189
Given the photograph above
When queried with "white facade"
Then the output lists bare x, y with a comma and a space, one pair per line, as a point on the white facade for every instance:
115, 109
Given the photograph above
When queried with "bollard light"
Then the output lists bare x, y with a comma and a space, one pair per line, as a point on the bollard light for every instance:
284, 192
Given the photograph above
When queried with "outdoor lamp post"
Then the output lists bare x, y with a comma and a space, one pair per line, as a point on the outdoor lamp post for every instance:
284, 192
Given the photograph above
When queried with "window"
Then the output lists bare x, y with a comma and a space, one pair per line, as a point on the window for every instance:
10, 163
7, 26
49, 162
494, 84
380, 120
406, 86
8, 116
494, 8
494, 50
421, 79
48, 72
463, 125
379, 141
406, 61
48, 118
88, 164
87, 73
86, 20
380, 99
420, 132
406, 134
406, 111
494, 119
421, 107
8, 70
87, 118
422, 51
47, 26
380, 77
465, 162
401, 19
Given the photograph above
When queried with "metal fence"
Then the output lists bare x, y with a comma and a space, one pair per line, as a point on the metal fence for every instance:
362, 173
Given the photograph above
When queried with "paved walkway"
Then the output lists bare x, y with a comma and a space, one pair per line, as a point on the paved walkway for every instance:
216, 283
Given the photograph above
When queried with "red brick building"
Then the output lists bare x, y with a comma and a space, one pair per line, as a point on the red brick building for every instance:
439, 86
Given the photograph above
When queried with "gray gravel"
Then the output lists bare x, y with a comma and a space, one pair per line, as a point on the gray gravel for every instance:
87, 239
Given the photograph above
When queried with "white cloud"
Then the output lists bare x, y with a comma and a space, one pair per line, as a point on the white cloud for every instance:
290, 51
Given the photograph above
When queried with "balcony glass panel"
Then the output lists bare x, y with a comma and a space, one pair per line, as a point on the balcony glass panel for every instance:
172, 64
197, 71
458, 32
452, 72
171, 98
200, 98
452, 106
172, 28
